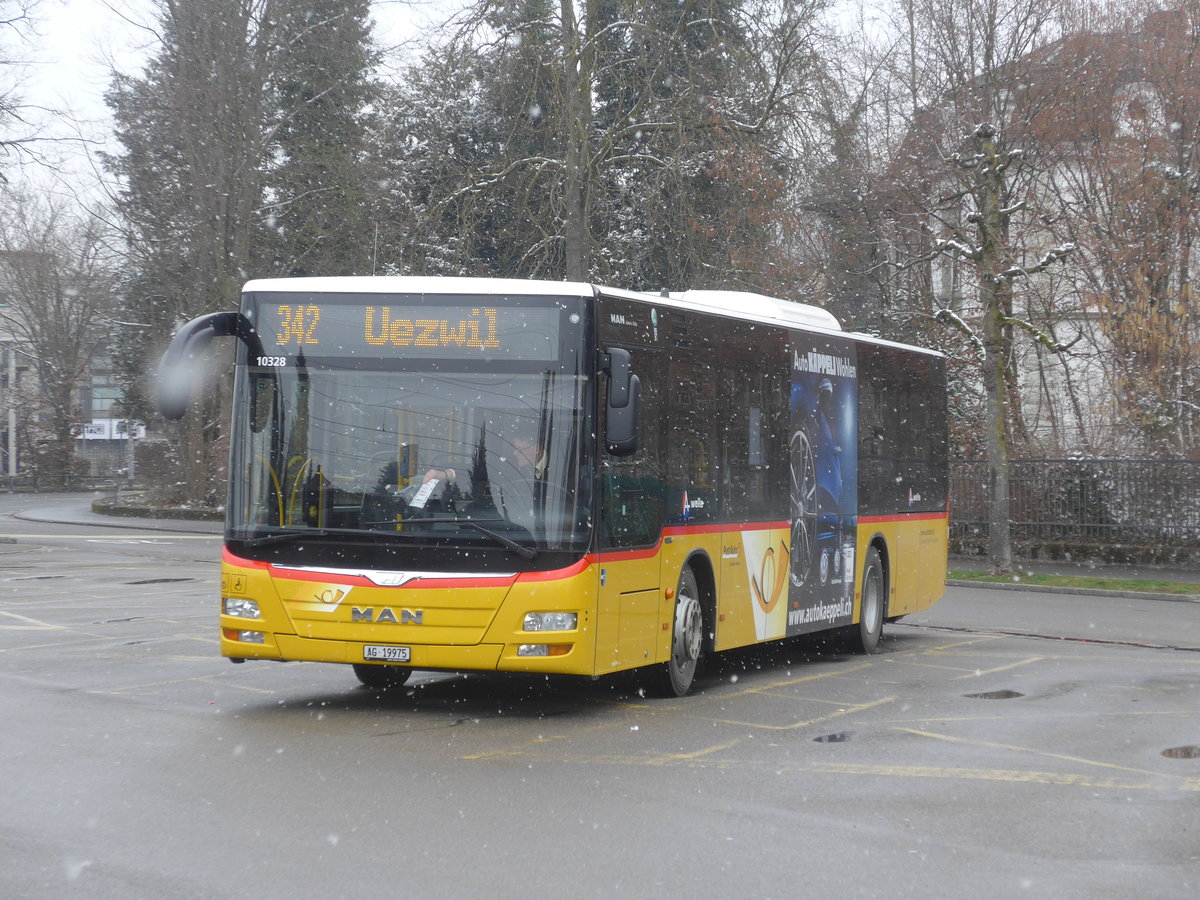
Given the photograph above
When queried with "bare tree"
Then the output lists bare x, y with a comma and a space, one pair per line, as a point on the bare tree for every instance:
58, 291
969, 198
17, 136
1130, 190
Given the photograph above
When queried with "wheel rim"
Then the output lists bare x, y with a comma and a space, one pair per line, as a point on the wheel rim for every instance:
688, 631
872, 601
688, 635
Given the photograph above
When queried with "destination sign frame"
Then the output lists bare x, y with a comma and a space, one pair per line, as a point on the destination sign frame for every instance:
314, 326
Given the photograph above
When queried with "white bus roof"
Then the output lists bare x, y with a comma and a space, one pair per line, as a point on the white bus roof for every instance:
741, 304
735, 304
419, 284
744, 303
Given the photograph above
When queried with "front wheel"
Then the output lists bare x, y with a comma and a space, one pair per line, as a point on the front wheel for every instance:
687, 638
382, 678
864, 637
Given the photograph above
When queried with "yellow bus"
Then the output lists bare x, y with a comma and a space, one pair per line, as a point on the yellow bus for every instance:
545, 477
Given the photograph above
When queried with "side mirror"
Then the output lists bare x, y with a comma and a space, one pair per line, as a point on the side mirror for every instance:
624, 404
177, 370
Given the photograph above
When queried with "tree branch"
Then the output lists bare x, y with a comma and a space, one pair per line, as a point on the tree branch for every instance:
1052, 256
1040, 336
951, 318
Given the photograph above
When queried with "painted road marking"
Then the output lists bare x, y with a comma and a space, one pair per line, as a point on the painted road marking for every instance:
29, 624
995, 746
703, 758
979, 673
695, 754
845, 711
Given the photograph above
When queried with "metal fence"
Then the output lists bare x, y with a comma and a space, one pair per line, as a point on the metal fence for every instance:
1150, 503
1147, 502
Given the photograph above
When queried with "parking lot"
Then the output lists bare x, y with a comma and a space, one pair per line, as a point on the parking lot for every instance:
1004, 743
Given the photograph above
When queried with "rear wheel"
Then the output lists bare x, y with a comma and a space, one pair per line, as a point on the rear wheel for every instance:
382, 677
864, 637
687, 637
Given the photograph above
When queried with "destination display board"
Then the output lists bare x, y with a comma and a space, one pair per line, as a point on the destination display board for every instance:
292, 325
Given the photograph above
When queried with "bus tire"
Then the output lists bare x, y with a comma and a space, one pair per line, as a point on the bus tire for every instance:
864, 637
687, 637
382, 677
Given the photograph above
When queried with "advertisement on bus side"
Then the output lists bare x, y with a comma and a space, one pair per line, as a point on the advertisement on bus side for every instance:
823, 483
802, 578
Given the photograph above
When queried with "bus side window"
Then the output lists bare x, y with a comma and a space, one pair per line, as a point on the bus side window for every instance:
631, 507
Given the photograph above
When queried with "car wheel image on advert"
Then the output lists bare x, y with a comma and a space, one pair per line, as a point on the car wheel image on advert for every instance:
804, 507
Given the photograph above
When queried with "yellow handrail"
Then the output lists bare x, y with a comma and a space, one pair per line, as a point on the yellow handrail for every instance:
278, 487
296, 486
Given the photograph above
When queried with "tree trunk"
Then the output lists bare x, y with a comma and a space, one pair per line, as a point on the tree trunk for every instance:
995, 295
577, 57
996, 389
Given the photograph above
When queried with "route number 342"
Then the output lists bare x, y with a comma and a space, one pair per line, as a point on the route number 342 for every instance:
298, 324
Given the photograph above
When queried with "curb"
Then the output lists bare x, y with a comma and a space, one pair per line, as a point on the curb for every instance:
126, 524
1086, 592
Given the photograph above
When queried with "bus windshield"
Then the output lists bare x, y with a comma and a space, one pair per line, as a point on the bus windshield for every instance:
455, 446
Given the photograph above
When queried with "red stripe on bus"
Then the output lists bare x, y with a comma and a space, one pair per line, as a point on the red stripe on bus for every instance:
424, 581
606, 556
230, 559
678, 530
449, 580
903, 517
570, 571
673, 531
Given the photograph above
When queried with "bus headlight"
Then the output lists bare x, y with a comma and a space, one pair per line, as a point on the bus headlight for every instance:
551, 621
241, 607
543, 649
244, 637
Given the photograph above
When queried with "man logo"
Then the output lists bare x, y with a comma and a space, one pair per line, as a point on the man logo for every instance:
387, 616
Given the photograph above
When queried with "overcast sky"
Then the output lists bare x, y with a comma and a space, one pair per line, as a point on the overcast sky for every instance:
69, 60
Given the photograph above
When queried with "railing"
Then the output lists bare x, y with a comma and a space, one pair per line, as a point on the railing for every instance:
1148, 503
1153, 503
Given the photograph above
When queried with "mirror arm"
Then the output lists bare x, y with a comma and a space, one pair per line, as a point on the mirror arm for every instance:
176, 371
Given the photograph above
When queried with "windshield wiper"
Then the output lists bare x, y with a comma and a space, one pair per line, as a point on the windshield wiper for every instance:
282, 537
523, 550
